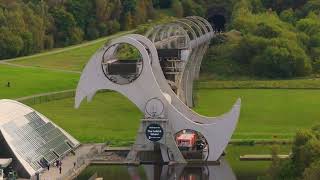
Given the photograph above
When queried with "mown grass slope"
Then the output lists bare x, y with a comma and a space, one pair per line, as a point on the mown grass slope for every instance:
29, 81
71, 58
109, 117
265, 114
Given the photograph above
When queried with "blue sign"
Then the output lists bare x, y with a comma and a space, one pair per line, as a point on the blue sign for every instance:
154, 132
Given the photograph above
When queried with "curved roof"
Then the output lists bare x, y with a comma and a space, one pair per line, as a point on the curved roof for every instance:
33, 139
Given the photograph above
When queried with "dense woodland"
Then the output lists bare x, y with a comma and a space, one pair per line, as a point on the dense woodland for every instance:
269, 39
30, 26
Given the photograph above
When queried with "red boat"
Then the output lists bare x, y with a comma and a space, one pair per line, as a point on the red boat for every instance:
186, 141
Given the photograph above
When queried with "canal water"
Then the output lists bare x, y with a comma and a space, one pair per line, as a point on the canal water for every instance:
165, 172
229, 169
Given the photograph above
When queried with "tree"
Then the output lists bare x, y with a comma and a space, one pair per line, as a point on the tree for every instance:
129, 22
10, 44
309, 25
35, 24
81, 10
311, 6
156, 3
48, 42
113, 26
191, 8
129, 6
103, 10
312, 172
273, 62
165, 4
177, 8
288, 16
267, 30
141, 13
304, 162
76, 35
274, 169
28, 46
299, 158
3, 20
91, 31
64, 23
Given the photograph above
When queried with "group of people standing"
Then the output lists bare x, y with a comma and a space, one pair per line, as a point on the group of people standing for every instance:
57, 164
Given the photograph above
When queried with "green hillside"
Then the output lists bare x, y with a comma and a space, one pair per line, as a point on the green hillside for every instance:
265, 114
25, 81
71, 58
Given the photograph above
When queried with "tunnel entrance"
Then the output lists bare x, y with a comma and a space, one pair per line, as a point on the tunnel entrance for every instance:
218, 22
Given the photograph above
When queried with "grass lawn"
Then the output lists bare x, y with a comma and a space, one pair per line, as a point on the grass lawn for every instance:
30, 81
109, 117
68, 60
266, 114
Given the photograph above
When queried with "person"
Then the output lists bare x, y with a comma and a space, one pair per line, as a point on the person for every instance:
48, 166
60, 169
74, 164
8, 84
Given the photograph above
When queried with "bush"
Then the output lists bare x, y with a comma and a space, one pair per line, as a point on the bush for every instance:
305, 159
312, 172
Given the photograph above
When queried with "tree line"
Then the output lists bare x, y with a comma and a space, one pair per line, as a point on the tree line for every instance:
269, 38
31, 26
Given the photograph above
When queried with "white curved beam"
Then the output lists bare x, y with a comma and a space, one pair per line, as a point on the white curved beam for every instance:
93, 79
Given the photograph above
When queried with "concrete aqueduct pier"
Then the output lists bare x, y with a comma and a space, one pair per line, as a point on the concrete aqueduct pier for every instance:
159, 81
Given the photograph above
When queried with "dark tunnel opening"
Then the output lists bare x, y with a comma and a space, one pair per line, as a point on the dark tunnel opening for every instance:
218, 22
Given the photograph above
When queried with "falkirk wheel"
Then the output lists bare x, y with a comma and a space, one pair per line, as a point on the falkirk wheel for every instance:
159, 82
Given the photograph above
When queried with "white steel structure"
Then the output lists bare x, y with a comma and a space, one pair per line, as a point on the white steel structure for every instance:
150, 87
32, 140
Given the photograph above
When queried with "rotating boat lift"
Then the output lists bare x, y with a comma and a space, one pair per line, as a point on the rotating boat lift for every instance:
160, 85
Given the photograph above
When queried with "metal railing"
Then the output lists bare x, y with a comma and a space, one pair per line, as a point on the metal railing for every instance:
81, 163
46, 97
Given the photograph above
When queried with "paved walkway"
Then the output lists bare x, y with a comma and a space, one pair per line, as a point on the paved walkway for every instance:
67, 163
36, 67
